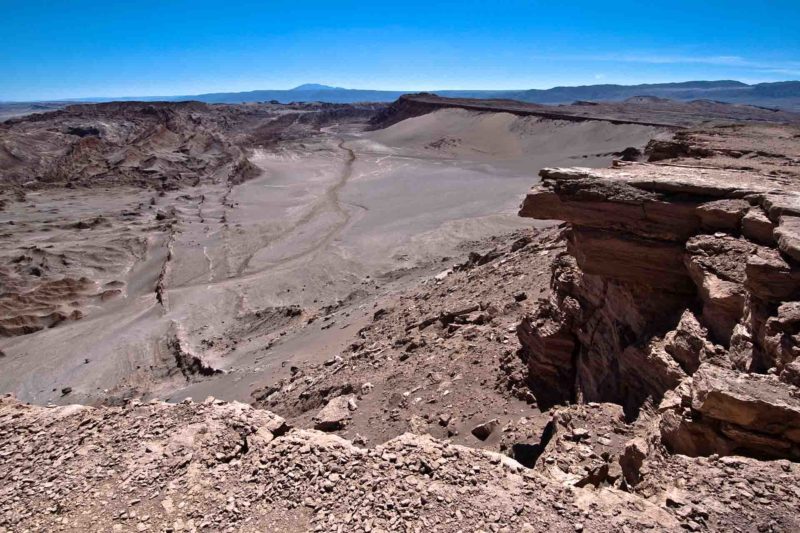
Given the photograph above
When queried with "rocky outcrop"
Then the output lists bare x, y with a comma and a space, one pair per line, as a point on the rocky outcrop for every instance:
159, 145
586, 446
335, 414
725, 412
217, 466
674, 277
186, 361
688, 343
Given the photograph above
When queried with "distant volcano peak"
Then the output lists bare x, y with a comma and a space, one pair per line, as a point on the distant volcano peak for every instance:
315, 87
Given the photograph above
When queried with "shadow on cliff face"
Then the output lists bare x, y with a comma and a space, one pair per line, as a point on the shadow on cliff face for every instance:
600, 341
677, 294
527, 454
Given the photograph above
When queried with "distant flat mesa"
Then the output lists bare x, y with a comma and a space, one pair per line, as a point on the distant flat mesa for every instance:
650, 111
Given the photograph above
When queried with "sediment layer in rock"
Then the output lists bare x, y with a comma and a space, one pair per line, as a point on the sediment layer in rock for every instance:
674, 274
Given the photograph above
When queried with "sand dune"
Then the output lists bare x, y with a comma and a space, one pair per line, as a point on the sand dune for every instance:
458, 133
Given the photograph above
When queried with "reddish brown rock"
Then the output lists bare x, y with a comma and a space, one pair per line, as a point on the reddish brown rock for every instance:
782, 335
627, 258
757, 227
632, 459
791, 373
716, 267
484, 431
681, 435
688, 343
722, 215
781, 200
583, 344
770, 277
624, 302
548, 349
584, 445
334, 415
575, 196
788, 236
736, 413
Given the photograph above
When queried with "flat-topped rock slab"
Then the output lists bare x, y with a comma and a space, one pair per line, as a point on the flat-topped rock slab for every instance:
722, 183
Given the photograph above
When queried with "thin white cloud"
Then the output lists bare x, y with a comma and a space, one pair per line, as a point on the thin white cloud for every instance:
791, 68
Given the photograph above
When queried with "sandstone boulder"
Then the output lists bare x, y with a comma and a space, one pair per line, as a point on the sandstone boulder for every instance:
632, 460
334, 416
770, 277
716, 266
757, 227
788, 236
688, 343
722, 215
736, 413
484, 431
782, 335
791, 373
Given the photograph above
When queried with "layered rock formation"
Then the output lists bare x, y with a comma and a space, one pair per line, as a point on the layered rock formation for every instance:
679, 287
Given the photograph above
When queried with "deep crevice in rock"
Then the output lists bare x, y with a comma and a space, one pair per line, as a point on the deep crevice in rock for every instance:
648, 297
528, 454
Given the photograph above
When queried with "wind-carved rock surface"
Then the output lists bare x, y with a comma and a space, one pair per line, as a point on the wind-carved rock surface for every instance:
679, 290
159, 144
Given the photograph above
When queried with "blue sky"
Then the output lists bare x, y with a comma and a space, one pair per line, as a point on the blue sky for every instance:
80, 48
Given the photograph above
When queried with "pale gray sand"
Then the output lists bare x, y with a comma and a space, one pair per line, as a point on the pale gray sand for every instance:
344, 214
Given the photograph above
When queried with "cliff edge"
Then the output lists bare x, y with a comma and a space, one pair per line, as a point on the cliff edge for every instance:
678, 293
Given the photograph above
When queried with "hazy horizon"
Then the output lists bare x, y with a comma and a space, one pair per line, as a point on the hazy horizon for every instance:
326, 86
88, 49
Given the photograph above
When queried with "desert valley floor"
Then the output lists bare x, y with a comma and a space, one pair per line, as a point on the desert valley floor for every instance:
434, 315
333, 219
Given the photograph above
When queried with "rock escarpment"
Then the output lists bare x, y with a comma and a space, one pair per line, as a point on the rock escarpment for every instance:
679, 290
159, 145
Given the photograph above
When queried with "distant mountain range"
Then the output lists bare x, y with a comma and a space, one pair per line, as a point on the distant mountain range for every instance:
778, 94
785, 95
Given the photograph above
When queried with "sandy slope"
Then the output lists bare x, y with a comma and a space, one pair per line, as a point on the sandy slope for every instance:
340, 219
462, 134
